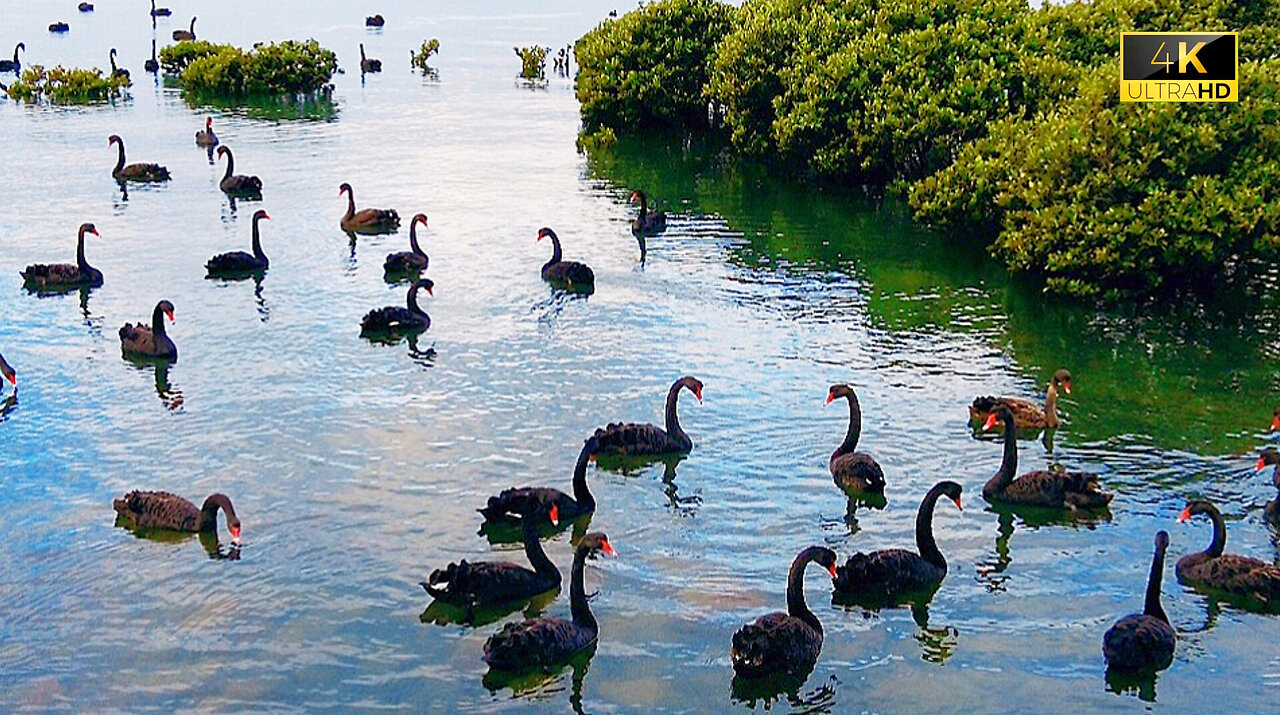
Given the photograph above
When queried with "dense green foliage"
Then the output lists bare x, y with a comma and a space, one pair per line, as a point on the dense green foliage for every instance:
649, 67
997, 117
419, 59
533, 61
288, 67
67, 86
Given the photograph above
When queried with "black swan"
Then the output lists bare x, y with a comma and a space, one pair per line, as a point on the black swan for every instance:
13, 65
206, 137
1026, 414
64, 276
368, 64
1143, 641
239, 262
238, 184
784, 642
366, 220
891, 574
59, 27
537, 642
150, 340
647, 223
85, 7
162, 510
374, 21
151, 65
633, 440
571, 274
483, 583
1230, 573
159, 11
8, 373
117, 71
514, 501
1049, 488
1269, 458
853, 471
410, 262
393, 318
135, 172
181, 35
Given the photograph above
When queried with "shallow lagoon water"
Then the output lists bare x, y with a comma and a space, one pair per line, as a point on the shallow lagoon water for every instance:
357, 467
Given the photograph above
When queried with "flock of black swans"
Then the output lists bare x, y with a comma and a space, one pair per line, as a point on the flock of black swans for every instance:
787, 642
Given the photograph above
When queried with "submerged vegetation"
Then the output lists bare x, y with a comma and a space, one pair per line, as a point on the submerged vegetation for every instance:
67, 86
994, 117
419, 59
289, 67
533, 61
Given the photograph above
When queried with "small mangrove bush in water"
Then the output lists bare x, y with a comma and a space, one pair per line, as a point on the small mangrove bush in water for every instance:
289, 67
67, 86
533, 60
994, 117
419, 59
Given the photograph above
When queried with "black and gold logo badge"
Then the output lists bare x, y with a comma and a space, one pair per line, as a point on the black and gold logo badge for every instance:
1179, 66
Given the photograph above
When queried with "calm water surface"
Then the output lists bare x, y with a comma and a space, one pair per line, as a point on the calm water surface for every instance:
357, 468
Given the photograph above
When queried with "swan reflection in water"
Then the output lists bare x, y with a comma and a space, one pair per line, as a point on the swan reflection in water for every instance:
443, 613
765, 692
171, 397
208, 540
542, 685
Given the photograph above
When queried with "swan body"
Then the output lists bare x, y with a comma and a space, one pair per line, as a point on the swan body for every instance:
143, 340
394, 319
1047, 488
1143, 642
239, 262
633, 440
135, 172
784, 642
366, 220
512, 502
570, 274
162, 510
1027, 416
853, 471
65, 276
410, 262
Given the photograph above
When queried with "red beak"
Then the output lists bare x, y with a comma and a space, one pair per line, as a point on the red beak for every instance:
832, 570
633, 198
991, 422
555, 515
430, 292
604, 545
958, 506
266, 217
830, 397
1262, 464
235, 534
1186, 514
14, 379
539, 238
1067, 386
94, 231
698, 394
170, 314
1275, 423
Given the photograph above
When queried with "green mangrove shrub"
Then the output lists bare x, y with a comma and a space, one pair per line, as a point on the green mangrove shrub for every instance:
419, 59
67, 86
533, 61
1108, 199
288, 67
650, 67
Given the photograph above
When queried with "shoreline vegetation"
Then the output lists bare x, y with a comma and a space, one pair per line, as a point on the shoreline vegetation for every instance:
284, 68
991, 118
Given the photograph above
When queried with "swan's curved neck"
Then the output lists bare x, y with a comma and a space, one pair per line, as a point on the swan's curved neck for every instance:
362, 57
80, 261
1219, 541
351, 203
533, 548
1008, 463
413, 239
113, 61
578, 605
796, 605
644, 208
412, 303
1152, 607
19, 45
231, 163
1051, 405
119, 155
157, 329
257, 242
851, 436
209, 512
556, 255
672, 417
581, 494
925, 544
